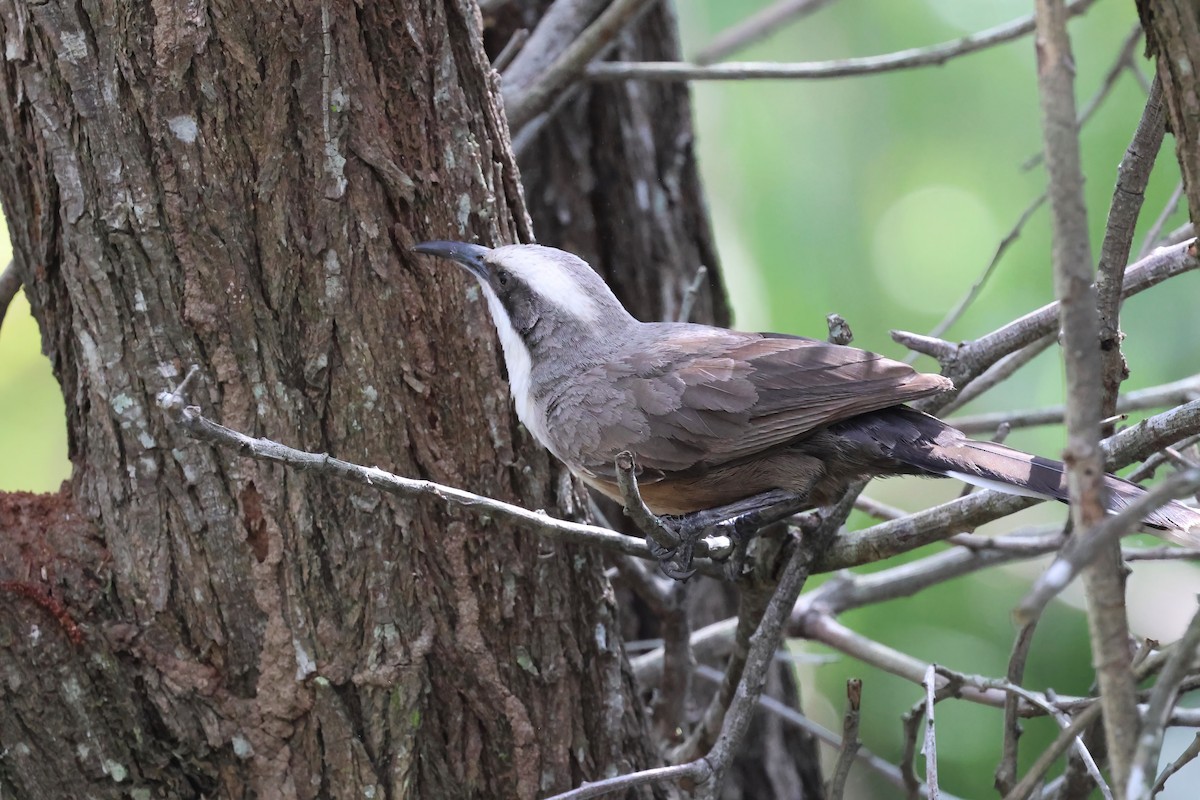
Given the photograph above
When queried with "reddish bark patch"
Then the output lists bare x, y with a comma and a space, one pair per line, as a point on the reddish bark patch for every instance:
256, 526
51, 554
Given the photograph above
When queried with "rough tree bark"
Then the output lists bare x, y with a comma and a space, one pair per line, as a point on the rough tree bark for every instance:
1173, 40
235, 185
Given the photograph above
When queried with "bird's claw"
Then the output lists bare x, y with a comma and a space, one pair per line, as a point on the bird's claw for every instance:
675, 562
659, 551
675, 571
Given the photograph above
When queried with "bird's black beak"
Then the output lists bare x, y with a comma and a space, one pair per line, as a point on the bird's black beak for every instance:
470, 256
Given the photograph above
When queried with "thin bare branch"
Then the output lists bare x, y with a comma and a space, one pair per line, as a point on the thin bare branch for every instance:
679, 664
1172, 205
203, 429
1103, 580
929, 748
850, 741
891, 538
846, 591
751, 607
1188, 755
1047, 539
877, 509
1162, 700
1160, 553
1135, 69
910, 723
1180, 717
561, 24
649, 587
1126, 61
1009, 238
1163, 396
885, 769
510, 51
1151, 464
935, 691
636, 509
757, 26
934, 55
821, 627
1133, 175
695, 771
1000, 371
710, 643
1082, 550
931, 346
1122, 63
525, 138
1080, 751
523, 103
1006, 770
768, 636
971, 359
1066, 738
1152, 435
691, 293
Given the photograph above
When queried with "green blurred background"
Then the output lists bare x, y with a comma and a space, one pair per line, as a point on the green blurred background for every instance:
881, 198
33, 432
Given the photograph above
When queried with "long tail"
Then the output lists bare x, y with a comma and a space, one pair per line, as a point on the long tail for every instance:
934, 447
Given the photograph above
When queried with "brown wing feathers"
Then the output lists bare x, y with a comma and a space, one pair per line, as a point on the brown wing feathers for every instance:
706, 397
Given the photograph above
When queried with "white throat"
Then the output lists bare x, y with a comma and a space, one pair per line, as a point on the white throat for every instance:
520, 368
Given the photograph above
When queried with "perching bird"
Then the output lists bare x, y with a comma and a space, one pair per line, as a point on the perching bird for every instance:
714, 416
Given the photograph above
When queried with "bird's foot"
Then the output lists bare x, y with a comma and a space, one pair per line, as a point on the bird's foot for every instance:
679, 567
714, 532
676, 562
737, 523
660, 551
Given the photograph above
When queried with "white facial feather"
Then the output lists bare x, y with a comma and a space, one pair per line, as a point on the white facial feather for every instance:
520, 368
544, 274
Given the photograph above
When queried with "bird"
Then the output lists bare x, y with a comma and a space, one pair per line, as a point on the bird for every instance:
713, 416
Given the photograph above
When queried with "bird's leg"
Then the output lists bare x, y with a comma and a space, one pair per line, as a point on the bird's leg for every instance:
746, 516
662, 541
739, 521
754, 513
674, 540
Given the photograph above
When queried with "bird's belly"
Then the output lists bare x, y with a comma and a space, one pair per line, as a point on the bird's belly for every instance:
728, 483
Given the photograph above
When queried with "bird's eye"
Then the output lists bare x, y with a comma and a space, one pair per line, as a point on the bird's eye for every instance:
502, 277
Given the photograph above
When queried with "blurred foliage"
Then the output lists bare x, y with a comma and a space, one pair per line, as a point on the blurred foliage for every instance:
883, 198
33, 432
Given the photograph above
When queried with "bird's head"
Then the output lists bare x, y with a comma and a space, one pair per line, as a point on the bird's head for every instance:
537, 291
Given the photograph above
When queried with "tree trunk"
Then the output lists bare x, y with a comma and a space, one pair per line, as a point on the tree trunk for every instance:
235, 186
1173, 40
